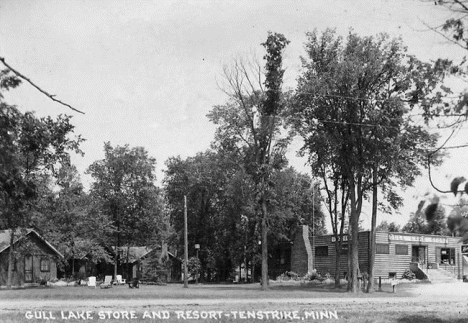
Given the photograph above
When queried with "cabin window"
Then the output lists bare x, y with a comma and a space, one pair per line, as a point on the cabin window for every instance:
15, 264
45, 264
392, 275
401, 249
344, 249
447, 256
282, 257
321, 251
381, 248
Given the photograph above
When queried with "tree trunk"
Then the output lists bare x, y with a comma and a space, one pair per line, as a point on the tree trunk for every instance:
337, 262
370, 284
264, 247
116, 259
11, 259
126, 266
353, 285
354, 260
73, 258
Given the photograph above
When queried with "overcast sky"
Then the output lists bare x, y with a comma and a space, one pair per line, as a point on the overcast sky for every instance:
145, 72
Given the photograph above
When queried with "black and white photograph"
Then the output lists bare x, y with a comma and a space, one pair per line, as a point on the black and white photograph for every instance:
234, 161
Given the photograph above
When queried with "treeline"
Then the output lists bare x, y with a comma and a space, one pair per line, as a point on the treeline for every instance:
357, 107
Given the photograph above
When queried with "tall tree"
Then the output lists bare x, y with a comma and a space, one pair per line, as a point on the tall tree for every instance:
67, 217
351, 108
203, 180
251, 117
454, 29
31, 149
222, 210
124, 188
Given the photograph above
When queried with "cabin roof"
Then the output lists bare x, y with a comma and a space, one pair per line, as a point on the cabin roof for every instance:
136, 253
5, 236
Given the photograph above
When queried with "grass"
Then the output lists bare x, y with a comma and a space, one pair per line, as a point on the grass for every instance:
176, 291
173, 303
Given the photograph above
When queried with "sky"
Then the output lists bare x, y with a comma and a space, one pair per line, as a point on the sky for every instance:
146, 73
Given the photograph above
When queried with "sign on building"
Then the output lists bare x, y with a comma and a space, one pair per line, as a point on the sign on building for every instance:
464, 249
345, 238
417, 238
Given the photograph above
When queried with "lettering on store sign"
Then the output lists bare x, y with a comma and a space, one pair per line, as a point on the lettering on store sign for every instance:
401, 237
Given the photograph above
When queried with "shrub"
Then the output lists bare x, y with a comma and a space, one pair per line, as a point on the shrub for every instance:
314, 275
292, 275
194, 266
408, 274
282, 277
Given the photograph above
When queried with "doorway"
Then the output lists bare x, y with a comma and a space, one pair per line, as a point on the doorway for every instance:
418, 254
28, 269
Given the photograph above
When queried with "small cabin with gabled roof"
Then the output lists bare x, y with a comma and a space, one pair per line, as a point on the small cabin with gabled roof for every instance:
35, 259
149, 263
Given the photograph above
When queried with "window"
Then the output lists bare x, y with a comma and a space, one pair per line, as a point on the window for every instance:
344, 249
381, 248
321, 251
282, 257
447, 256
401, 249
45, 264
392, 275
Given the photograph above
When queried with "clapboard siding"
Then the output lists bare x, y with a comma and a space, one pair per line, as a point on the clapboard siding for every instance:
395, 263
386, 264
326, 264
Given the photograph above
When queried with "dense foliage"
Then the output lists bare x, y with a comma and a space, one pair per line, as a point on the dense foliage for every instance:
125, 193
352, 109
222, 212
31, 150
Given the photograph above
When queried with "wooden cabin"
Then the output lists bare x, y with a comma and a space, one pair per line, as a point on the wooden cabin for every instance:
148, 264
35, 259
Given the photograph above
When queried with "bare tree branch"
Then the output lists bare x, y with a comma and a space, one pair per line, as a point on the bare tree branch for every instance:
50, 96
461, 4
453, 41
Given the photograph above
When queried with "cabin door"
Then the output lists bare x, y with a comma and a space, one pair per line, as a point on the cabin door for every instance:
418, 254
28, 269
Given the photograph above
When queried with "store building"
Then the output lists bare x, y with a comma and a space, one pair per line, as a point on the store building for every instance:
395, 253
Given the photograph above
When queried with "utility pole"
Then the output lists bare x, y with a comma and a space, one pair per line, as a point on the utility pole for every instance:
197, 247
185, 244
313, 226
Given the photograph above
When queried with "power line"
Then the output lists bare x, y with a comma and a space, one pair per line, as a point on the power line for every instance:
362, 98
416, 123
